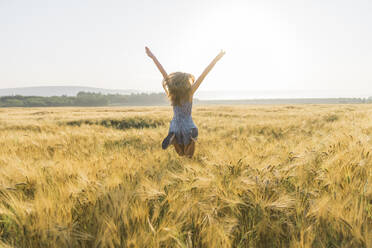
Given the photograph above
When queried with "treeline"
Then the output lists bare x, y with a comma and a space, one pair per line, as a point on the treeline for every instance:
292, 101
84, 99
143, 99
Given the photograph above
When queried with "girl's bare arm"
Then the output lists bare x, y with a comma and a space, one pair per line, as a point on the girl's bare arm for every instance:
197, 83
157, 63
165, 87
159, 66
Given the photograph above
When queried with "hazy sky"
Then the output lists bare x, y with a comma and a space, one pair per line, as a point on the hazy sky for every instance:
288, 44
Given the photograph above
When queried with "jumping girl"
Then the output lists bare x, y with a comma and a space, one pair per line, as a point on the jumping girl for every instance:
180, 88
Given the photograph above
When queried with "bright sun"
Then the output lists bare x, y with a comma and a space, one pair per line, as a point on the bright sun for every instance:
257, 40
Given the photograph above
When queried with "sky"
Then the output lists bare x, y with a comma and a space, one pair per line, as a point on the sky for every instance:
270, 45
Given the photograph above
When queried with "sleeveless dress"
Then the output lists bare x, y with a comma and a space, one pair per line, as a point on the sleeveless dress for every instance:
182, 124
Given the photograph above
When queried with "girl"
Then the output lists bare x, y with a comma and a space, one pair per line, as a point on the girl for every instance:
180, 88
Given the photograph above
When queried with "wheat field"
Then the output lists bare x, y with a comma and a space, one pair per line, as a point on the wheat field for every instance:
261, 176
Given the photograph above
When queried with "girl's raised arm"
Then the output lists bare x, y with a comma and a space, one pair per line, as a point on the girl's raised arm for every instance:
197, 83
157, 63
159, 66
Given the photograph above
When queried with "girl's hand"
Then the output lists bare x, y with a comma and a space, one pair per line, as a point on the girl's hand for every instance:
220, 55
149, 53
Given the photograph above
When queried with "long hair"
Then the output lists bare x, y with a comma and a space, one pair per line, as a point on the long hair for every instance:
179, 87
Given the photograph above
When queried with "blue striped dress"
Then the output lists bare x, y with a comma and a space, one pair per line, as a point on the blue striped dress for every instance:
182, 124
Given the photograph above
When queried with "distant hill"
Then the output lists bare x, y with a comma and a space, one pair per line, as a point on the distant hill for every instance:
59, 91
211, 96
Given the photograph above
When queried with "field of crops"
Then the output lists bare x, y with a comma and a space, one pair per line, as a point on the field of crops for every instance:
261, 176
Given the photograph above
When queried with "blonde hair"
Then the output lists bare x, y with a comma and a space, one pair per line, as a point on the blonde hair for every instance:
179, 87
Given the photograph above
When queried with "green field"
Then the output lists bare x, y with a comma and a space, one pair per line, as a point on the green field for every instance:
262, 176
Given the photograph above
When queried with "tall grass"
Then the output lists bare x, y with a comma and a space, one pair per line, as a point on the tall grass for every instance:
262, 176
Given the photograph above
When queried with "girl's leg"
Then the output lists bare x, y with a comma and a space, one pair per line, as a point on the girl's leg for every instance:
168, 140
194, 133
179, 148
190, 149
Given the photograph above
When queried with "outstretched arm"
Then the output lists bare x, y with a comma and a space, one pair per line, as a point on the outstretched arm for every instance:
157, 63
159, 66
197, 83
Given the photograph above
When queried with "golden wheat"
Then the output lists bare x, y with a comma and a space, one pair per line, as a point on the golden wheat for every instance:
262, 176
